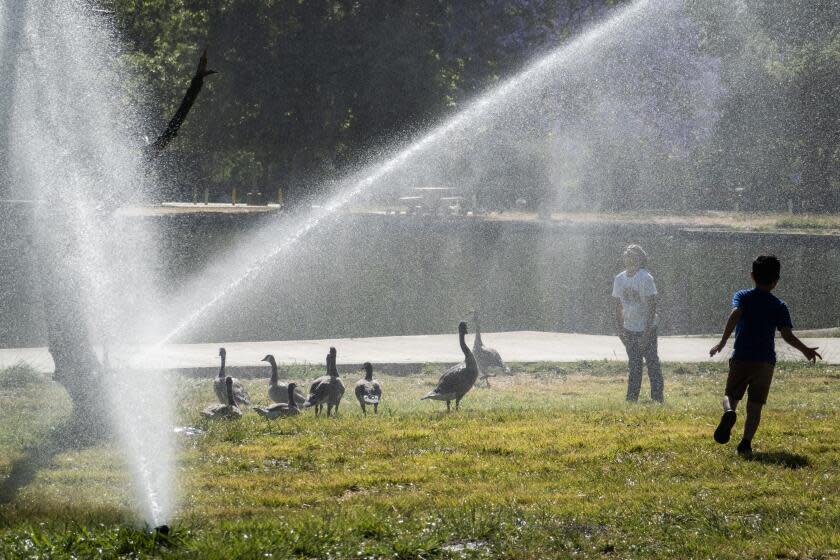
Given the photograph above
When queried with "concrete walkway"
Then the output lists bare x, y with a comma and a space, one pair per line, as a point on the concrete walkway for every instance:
404, 352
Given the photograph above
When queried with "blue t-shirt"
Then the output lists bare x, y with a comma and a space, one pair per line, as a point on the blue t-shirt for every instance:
761, 314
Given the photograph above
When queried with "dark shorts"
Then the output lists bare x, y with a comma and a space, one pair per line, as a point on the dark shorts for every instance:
753, 378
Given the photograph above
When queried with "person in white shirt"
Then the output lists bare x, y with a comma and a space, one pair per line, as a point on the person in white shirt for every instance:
635, 321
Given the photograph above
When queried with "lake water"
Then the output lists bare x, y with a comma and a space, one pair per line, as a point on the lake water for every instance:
374, 275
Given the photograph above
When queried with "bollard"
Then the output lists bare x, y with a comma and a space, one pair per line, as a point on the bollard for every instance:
206, 196
280, 197
195, 195
233, 197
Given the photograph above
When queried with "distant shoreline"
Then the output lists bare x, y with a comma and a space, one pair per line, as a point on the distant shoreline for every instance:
710, 221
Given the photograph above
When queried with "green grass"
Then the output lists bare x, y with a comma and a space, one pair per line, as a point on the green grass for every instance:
549, 463
782, 222
809, 221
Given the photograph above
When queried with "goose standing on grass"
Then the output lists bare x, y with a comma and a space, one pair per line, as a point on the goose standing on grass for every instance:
277, 390
289, 408
459, 379
313, 388
239, 393
487, 358
327, 389
368, 390
230, 410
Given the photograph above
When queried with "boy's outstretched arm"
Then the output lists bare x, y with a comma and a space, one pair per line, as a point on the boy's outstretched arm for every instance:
810, 354
731, 323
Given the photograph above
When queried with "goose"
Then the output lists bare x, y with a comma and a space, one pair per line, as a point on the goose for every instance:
313, 388
486, 357
459, 379
239, 393
368, 390
277, 391
289, 408
327, 389
229, 410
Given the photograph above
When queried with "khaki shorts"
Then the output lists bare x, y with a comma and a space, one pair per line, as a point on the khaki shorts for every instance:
753, 378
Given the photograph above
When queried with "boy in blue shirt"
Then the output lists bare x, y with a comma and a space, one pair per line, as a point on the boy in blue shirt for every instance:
755, 316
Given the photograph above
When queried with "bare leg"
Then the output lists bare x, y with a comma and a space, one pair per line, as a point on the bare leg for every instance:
753, 419
729, 404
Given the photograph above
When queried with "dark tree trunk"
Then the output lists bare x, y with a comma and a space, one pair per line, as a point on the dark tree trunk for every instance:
77, 366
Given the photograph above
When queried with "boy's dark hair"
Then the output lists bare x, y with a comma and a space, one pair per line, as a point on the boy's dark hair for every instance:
766, 269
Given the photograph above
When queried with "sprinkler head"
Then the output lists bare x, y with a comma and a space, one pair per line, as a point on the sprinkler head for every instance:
162, 530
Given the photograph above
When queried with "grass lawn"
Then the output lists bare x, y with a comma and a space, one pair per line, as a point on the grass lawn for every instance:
549, 463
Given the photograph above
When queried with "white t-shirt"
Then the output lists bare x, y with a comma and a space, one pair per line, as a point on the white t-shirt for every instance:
633, 292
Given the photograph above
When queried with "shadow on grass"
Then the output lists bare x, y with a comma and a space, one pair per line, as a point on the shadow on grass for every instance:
75, 434
782, 459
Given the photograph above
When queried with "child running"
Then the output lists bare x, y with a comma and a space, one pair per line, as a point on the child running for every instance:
755, 316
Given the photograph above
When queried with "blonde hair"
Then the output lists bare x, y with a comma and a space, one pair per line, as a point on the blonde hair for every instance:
637, 250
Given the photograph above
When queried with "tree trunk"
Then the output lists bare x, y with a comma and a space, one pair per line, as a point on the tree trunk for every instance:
77, 366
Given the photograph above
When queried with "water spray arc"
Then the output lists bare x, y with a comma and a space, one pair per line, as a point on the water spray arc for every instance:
528, 82
69, 143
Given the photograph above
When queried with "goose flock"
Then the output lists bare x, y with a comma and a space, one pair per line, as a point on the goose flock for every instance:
328, 389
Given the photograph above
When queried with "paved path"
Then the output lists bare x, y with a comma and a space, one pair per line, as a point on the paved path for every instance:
396, 351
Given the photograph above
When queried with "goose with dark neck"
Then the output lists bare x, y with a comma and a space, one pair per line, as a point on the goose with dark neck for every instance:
278, 410
277, 390
229, 410
327, 389
240, 394
313, 387
368, 390
459, 379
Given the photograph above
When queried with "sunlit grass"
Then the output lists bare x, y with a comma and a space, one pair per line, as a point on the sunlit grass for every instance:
718, 219
548, 463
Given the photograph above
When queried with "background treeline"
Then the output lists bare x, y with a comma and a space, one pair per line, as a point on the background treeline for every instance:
310, 88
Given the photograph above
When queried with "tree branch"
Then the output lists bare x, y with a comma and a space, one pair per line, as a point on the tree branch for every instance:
174, 125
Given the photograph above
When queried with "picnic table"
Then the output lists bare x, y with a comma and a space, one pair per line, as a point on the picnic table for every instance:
414, 203
454, 203
430, 199
432, 196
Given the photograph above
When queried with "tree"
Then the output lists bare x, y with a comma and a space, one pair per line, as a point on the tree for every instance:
76, 364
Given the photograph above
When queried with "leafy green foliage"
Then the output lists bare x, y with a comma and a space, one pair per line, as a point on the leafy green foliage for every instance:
780, 64
308, 89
